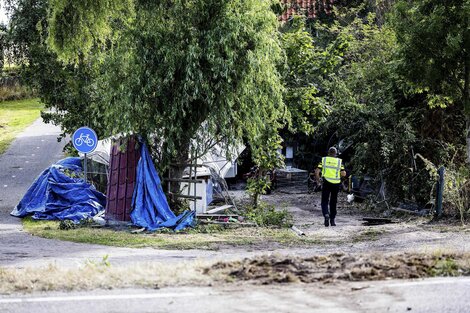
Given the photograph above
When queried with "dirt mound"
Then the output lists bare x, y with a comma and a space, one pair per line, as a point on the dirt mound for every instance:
277, 269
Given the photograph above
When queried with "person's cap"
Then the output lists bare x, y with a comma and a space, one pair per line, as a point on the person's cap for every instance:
332, 151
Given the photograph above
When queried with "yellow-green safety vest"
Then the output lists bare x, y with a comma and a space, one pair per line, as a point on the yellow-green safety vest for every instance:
331, 169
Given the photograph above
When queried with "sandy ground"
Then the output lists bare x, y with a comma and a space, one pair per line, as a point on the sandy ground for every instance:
409, 233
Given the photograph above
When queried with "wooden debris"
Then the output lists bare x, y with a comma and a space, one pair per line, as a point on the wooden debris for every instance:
359, 288
216, 216
220, 209
229, 224
297, 231
136, 231
420, 212
369, 221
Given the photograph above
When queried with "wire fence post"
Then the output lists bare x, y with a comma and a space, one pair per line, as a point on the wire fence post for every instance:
440, 191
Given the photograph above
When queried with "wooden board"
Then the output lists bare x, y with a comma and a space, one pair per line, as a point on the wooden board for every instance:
220, 209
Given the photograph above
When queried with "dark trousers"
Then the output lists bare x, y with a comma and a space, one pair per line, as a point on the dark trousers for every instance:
329, 194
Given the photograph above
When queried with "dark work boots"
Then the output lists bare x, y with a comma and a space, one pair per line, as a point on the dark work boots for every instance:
327, 220
332, 221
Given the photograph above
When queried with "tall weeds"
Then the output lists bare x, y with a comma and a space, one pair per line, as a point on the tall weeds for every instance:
456, 196
15, 92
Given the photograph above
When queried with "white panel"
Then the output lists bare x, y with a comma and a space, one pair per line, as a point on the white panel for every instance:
289, 152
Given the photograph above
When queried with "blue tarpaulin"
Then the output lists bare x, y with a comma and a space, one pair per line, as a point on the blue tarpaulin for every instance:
150, 208
60, 193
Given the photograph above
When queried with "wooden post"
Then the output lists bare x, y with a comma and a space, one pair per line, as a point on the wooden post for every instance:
440, 191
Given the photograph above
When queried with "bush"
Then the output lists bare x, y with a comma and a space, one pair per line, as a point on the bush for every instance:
267, 215
456, 200
69, 224
456, 196
15, 92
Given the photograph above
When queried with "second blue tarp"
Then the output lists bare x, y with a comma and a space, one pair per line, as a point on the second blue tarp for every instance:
150, 208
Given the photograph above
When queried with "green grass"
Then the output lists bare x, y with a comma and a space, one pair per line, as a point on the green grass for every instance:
370, 234
445, 266
16, 116
200, 238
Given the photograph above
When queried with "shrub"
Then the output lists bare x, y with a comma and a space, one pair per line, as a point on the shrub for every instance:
456, 196
267, 215
15, 92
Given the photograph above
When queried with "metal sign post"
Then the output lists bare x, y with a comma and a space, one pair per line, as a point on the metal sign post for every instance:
85, 141
85, 169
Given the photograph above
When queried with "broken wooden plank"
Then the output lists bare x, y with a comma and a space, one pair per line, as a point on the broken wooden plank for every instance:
230, 224
187, 165
136, 231
377, 220
184, 180
408, 211
297, 231
220, 209
217, 216
178, 195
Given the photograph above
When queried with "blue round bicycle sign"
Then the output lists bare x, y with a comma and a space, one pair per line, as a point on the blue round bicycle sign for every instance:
85, 140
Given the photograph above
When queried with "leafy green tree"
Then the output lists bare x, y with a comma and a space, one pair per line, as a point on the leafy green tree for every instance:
434, 44
63, 88
386, 122
170, 70
362, 94
302, 75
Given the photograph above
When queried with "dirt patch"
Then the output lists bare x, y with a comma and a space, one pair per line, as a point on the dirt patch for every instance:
339, 266
262, 270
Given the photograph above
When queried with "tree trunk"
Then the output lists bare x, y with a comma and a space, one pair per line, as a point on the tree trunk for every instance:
256, 200
258, 190
177, 168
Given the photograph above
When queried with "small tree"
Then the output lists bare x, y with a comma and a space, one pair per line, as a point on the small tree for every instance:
302, 77
64, 88
169, 68
434, 45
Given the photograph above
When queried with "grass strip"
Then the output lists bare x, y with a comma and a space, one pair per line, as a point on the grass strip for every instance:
101, 275
203, 237
15, 116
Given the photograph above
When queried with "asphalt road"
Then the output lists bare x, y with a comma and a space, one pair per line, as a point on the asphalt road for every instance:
30, 153
441, 295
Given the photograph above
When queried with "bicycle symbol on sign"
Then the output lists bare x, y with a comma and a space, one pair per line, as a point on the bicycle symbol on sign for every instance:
84, 139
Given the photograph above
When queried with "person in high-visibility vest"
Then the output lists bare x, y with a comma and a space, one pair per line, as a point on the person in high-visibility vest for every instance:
331, 169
